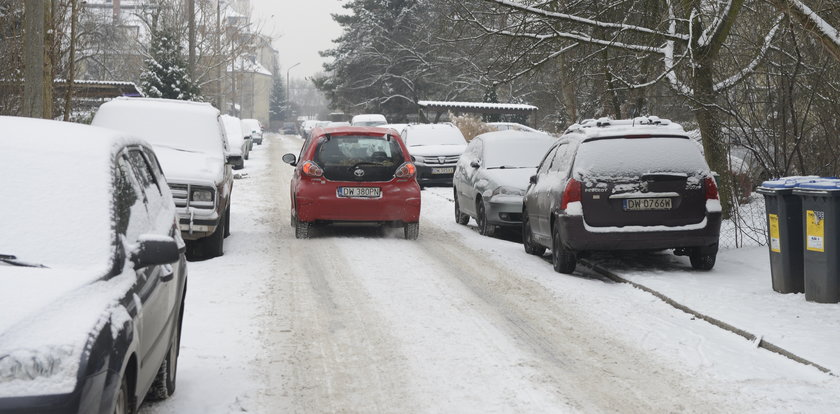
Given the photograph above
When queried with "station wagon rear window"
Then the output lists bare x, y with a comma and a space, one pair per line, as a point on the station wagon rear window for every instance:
634, 157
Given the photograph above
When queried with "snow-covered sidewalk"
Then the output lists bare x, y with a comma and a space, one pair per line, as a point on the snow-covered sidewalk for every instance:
738, 292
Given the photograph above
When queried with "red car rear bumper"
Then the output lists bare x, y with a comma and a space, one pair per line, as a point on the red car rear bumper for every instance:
317, 200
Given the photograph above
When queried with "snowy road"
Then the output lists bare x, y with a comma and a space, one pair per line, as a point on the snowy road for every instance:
358, 320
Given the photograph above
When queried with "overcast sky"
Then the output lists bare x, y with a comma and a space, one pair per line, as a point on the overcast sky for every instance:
300, 29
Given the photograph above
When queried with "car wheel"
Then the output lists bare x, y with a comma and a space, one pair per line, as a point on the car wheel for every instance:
701, 261
214, 245
302, 229
564, 260
121, 400
485, 228
460, 218
412, 230
227, 222
528, 238
164, 384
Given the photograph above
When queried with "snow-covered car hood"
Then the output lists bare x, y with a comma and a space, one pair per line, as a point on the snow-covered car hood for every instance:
509, 177
183, 166
436, 150
46, 318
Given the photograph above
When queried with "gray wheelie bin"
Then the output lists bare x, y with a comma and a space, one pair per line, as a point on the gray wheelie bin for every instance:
784, 233
821, 225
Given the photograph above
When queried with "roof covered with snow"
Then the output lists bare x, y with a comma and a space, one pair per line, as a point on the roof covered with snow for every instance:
476, 105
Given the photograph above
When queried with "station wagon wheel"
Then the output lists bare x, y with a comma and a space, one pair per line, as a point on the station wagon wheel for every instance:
460, 217
528, 237
700, 261
484, 228
564, 260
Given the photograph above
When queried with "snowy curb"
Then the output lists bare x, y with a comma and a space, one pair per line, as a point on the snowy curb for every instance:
757, 340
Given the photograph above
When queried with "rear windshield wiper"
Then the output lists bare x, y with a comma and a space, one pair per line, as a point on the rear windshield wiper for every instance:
504, 167
13, 260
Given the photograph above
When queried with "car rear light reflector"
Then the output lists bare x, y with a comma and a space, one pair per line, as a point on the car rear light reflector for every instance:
407, 170
711, 189
311, 169
571, 194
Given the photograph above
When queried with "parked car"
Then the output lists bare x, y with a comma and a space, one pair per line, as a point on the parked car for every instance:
372, 120
512, 126
190, 143
639, 184
253, 128
309, 125
334, 124
236, 141
492, 175
92, 271
435, 149
354, 175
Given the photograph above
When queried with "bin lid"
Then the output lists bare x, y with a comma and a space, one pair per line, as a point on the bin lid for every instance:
824, 184
788, 182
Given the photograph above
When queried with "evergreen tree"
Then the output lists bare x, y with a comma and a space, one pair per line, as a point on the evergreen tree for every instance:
277, 102
491, 97
166, 71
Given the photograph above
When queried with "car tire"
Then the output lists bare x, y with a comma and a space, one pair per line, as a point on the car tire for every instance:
460, 217
164, 383
214, 245
528, 237
485, 228
411, 230
700, 261
121, 400
227, 222
563, 259
302, 229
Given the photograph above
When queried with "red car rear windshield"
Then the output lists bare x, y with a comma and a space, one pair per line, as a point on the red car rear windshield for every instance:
340, 157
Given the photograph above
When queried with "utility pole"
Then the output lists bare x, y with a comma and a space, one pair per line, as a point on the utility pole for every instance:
191, 40
37, 75
288, 82
71, 67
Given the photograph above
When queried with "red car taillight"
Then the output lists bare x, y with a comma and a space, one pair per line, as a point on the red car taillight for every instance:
570, 194
311, 169
711, 189
407, 170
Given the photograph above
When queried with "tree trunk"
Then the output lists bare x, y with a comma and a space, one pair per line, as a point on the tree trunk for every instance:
71, 68
707, 115
191, 40
37, 75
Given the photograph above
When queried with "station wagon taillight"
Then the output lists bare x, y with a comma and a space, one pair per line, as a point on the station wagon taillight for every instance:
711, 189
407, 170
571, 194
311, 169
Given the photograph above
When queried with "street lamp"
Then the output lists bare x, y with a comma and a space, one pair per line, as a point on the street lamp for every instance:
287, 81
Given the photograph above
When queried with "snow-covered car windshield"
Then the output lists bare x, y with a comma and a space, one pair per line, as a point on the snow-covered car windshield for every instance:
434, 136
368, 123
633, 157
515, 153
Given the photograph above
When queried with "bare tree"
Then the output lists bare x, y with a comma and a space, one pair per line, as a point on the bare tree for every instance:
38, 78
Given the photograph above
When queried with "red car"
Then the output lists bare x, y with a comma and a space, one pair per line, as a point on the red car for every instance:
354, 175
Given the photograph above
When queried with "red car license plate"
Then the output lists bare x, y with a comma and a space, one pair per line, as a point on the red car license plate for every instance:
359, 192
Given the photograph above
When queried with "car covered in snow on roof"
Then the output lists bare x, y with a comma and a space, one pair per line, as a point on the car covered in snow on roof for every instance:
637, 184
492, 175
373, 120
253, 128
354, 175
92, 271
436, 149
189, 140
237, 142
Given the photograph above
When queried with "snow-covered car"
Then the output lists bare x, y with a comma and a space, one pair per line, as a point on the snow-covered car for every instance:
253, 128
92, 271
372, 120
436, 149
492, 175
354, 175
189, 140
512, 126
236, 142
637, 184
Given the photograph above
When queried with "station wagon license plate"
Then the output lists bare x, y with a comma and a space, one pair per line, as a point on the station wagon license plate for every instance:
447, 170
359, 192
641, 204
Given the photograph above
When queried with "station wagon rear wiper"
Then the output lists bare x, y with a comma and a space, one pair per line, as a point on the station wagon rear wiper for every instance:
13, 260
504, 167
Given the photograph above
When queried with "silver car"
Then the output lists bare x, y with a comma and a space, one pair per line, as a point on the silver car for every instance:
492, 175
